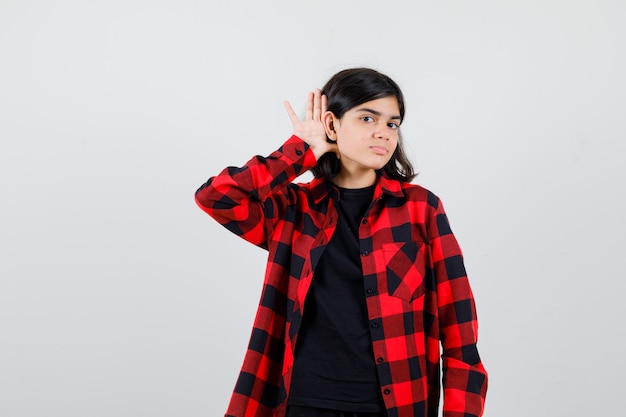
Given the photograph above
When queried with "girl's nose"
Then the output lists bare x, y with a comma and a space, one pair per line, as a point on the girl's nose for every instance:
381, 132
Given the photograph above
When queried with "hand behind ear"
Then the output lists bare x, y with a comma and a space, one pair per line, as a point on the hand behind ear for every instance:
312, 129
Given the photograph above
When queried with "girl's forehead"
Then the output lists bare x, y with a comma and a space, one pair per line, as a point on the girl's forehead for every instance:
387, 106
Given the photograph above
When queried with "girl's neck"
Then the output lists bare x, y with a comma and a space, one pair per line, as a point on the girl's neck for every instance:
346, 179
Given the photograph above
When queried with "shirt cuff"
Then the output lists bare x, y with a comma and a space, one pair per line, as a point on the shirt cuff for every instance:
299, 152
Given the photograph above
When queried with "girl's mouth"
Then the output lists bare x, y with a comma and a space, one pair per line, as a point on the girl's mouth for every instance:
380, 150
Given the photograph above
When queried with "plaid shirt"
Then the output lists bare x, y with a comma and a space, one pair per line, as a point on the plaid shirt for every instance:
414, 281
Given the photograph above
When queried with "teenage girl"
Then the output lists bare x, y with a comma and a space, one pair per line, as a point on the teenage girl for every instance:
365, 298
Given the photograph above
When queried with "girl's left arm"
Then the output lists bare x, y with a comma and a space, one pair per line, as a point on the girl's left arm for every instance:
464, 376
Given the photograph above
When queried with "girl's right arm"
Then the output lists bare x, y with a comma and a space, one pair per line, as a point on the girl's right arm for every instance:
247, 200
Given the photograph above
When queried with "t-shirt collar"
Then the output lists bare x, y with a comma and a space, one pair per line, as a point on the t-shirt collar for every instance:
321, 188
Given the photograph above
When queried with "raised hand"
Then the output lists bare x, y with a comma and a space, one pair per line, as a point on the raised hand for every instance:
311, 128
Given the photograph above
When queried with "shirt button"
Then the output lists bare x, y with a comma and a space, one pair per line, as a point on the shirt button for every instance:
365, 253
374, 325
364, 221
369, 291
298, 152
380, 360
387, 391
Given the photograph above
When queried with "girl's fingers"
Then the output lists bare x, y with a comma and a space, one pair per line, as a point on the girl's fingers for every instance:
292, 114
308, 115
317, 104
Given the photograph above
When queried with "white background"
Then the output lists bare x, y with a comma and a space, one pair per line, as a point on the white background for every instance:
119, 297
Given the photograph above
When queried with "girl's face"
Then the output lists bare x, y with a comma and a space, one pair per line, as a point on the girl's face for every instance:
367, 136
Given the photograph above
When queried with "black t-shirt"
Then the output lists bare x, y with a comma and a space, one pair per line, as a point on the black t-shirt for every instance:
334, 366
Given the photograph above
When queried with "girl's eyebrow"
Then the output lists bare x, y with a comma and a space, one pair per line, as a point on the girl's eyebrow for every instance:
376, 113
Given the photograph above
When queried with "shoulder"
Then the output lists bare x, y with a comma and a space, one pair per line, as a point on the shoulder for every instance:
419, 193
300, 196
316, 189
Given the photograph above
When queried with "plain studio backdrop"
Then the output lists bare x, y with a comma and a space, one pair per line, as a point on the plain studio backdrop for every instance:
119, 297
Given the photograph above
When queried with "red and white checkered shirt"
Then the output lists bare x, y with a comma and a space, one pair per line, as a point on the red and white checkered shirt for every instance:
414, 282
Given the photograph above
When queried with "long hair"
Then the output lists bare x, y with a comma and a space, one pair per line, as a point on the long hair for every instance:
348, 89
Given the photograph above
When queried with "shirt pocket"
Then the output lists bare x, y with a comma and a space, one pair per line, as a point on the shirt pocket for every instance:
405, 269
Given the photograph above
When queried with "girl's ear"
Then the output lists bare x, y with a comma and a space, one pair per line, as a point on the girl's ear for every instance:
329, 120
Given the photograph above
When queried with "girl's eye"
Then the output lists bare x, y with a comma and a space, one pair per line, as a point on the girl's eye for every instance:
367, 118
393, 125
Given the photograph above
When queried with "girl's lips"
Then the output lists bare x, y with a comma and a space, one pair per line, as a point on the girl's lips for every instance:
381, 150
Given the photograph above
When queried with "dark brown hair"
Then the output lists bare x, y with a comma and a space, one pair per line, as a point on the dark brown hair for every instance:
348, 89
